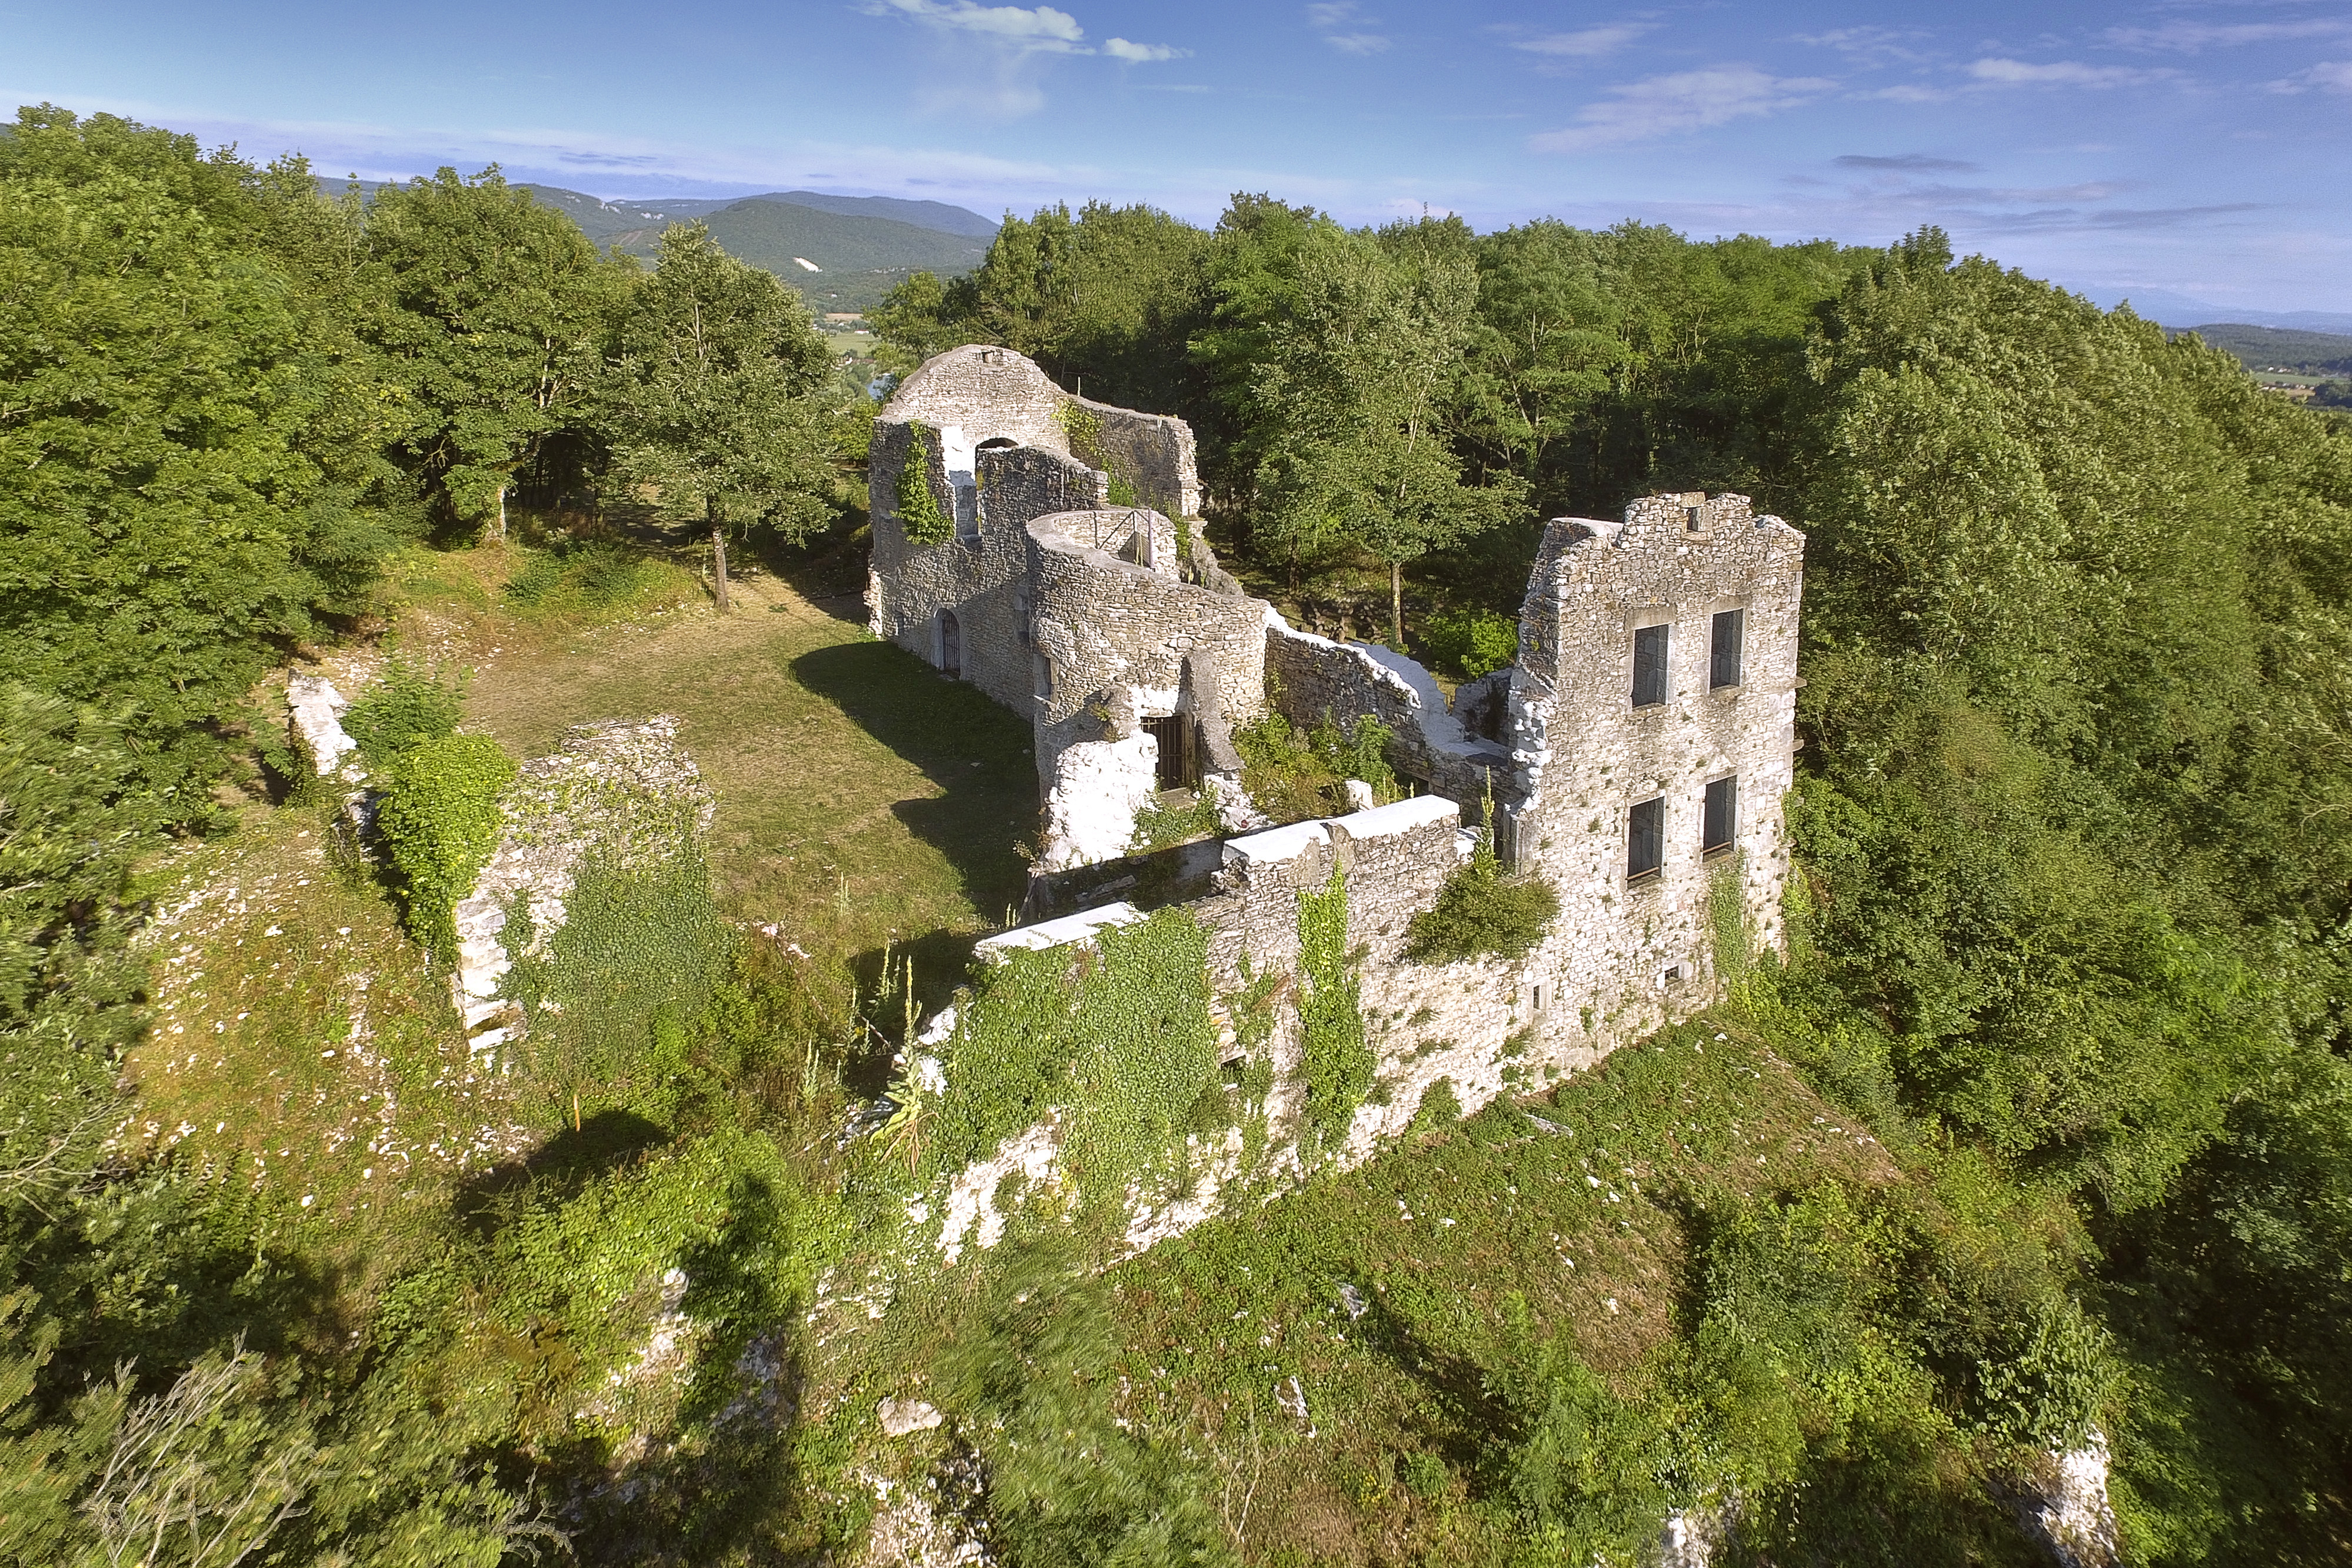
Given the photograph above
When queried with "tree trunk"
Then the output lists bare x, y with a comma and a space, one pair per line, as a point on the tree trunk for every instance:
719, 565
502, 514
1396, 604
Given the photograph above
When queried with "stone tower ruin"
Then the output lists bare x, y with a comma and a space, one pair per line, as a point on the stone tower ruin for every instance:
1635, 755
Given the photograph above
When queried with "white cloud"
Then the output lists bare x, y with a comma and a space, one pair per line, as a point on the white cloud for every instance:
2061, 73
1139, 54
2334, 76
1327, 15
1682, 101
1587, 43
2189, 37
1040, 28
1869, 46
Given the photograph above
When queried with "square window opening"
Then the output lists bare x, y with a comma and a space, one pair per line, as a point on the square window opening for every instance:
1650, 665
1726, 647
1721, 825
1645, 838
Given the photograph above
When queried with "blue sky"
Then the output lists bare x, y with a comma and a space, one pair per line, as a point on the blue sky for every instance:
2202, 149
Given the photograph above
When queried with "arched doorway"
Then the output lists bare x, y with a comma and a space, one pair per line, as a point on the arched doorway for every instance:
950, 644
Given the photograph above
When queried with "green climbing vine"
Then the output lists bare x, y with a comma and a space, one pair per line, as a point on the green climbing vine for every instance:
1338, 1062
921, 516
1084, 426
439, 818
1729, 928
608, 997
1119, 1038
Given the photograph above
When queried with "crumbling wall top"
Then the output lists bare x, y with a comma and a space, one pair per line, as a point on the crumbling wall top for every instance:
987, 392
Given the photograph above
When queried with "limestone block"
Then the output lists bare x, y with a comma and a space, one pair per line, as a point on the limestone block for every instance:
318, 710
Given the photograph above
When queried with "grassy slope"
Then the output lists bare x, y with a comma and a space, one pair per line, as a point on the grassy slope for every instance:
1437, 1235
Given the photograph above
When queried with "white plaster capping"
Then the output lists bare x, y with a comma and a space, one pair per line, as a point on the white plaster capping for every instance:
1099, 787
1278, 845
1439, 728
1079, 927
318, 710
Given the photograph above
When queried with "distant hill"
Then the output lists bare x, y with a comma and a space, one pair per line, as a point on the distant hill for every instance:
2181, 312
2280, 348
604, 221
863, 246
780, 236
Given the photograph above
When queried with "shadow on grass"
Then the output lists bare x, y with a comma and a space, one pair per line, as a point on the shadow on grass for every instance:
486, 1204
975, 752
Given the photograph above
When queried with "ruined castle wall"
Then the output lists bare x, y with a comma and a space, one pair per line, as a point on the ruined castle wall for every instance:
1155, 452
1109, 625
988, 393
1465, 1022
1020, 484
976, 577
1628, 956
1315, 675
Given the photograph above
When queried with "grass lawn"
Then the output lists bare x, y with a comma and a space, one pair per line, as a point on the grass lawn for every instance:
862, 795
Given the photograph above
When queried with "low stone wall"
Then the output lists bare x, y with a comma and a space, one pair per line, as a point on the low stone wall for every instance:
1464, 1023
626, 793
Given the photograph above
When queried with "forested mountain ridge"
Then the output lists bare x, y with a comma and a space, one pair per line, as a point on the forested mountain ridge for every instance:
2268, 347
2039, 1138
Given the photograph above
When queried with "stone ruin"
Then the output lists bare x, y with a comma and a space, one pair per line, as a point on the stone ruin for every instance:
1635, 754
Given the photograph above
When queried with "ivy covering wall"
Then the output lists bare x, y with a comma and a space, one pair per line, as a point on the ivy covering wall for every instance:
1118, 1037
1338, 1061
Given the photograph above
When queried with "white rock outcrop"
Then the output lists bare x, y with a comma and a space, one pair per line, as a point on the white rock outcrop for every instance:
318, 710
2063, 1505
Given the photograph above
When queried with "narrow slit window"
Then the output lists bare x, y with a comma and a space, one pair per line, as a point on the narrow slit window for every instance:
1650, 665
1722, 816
1645, 837
1723, 654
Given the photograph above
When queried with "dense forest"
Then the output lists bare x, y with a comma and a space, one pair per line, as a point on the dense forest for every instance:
2074, 932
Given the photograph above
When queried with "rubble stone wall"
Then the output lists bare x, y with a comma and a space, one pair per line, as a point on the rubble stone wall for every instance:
1155, 452
1628, 956
1315, 675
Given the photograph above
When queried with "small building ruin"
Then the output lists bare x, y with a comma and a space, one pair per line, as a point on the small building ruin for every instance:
1046, 549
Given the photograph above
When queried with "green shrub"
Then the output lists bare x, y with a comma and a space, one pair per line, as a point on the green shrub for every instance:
595, 575
1470, 643
1482, 913
409, 707
1292, 774
1157, 828
440, 820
